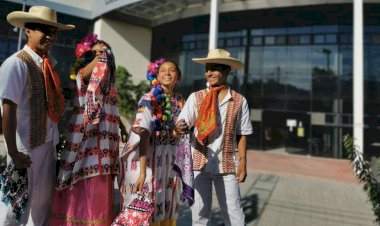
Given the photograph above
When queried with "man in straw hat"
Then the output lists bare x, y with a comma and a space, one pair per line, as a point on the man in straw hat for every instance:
221, 120
31, 104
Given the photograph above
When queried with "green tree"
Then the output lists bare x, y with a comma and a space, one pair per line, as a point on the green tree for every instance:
365, 174
129, 93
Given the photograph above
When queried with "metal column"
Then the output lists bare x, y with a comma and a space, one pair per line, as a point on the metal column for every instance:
214, 17
20, 29
358, 76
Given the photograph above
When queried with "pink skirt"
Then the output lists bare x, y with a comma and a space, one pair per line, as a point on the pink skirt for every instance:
87, 202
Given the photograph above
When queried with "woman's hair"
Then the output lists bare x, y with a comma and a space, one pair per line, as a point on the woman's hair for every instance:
176, 67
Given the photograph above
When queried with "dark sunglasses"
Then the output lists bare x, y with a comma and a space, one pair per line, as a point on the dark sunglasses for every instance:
216, 67
46, 29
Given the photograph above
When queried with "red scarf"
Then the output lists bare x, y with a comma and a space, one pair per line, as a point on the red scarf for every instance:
54, 97
207, 114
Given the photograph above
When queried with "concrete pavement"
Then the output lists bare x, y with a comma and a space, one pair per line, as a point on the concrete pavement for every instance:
292, 190
288, 190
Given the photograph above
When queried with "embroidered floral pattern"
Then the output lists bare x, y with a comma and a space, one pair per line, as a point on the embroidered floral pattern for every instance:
14, 186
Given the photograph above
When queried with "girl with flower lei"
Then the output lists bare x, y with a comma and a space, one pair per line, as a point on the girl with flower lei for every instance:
148, 157
89, 159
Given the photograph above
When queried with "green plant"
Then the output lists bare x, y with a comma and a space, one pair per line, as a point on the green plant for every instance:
129, 93
364, 174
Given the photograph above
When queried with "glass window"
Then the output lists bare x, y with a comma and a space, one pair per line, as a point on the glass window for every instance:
244, 41
319, 39
280, 40
331, 38
367, 39
275, 31
185, 45
346, 38
221, 43
257, 32
305, 39
257, 41
200, 44
325, 29
376, 39
188, 38
269, 40
299, 30
293, 40
3, 45
233, 42
371, 29
345, 29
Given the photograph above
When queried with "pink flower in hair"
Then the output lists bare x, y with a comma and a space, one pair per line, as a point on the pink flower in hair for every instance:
85, 44
153, 67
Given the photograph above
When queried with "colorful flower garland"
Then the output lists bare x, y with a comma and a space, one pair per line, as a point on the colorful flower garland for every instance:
83, 54
161, 102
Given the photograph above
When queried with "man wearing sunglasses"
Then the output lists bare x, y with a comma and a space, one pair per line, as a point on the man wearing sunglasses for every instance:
31, 104
220, 117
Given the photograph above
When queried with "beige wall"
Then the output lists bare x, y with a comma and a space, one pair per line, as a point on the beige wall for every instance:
131, 44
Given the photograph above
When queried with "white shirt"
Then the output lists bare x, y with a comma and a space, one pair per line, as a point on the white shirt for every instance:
243, 126
14, 87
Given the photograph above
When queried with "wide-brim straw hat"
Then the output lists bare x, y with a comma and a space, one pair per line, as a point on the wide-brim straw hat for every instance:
220, 56
37, 14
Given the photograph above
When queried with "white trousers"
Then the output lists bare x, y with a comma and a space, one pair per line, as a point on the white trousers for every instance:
227, 193
41, 184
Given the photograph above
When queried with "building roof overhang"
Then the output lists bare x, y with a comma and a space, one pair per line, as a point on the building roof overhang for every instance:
151, 13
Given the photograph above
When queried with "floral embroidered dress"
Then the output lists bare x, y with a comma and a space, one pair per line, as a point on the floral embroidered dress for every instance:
162, 186
84, 193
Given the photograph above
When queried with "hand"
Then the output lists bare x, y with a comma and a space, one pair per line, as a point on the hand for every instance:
20, 160
139, 184
181, 127
241, 173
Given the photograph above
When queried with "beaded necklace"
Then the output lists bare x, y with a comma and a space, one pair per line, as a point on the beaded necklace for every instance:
161, 102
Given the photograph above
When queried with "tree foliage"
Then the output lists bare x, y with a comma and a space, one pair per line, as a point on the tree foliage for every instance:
364, 173
129, 93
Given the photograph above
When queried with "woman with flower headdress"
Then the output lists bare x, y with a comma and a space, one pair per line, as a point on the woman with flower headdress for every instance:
89, 162
148, 157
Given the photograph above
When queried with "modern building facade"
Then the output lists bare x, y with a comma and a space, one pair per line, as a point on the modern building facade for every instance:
297, 54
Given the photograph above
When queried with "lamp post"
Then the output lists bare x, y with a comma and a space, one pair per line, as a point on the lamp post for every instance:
358, 96
213, 33
20, 29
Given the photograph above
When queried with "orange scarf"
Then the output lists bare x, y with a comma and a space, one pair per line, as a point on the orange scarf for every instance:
206, 120
54, 97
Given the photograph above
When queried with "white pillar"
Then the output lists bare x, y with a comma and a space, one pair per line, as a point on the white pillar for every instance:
98, 28
358, 76
20, 29
214, 17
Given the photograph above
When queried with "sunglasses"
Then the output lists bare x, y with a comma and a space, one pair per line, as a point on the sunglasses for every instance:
46, 29
216, 67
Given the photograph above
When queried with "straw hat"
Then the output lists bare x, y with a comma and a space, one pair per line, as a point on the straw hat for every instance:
37, 14
220, 56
